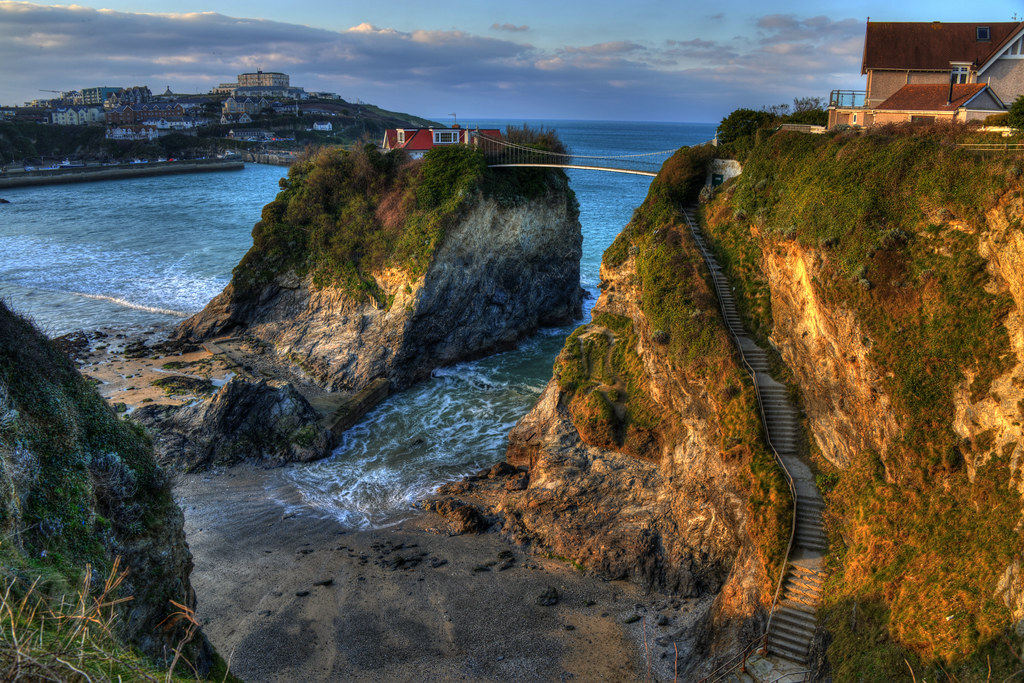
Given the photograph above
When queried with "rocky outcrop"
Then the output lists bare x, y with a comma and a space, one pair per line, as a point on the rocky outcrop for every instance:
640, 454
897, 305
79, 488
261, 422
501, 272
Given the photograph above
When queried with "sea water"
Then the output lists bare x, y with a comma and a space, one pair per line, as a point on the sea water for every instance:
152, 250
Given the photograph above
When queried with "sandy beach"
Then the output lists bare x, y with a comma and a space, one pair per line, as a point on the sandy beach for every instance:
288, 594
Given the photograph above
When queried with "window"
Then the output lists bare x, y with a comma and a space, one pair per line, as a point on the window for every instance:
984, 34
446, 137
959, 74
401, 136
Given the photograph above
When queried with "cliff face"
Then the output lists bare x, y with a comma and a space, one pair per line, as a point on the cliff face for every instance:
896, 301
425, 264
79, 486
645, 454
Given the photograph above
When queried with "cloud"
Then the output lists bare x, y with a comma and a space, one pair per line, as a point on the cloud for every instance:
511, 28
428, 71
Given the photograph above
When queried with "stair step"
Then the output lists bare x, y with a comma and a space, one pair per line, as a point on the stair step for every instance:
793, 632
796, 646
802, 619
803, 584
784, 649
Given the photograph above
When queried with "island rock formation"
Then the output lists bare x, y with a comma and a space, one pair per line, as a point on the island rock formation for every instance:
372, 266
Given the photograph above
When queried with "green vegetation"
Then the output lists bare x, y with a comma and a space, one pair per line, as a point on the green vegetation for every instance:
607, 388
78, 488
895, 215
741, 129
344, 216
1015, 116
178, 385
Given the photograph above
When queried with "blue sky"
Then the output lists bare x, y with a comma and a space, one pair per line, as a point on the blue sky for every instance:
641, 60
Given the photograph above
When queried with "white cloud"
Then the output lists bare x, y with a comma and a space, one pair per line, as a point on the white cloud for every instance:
426, 71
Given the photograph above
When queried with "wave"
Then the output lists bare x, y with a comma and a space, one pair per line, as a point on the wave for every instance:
132, 304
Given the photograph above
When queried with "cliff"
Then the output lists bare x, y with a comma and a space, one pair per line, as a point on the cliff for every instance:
645, 457
79, 488
369, 265
885, 268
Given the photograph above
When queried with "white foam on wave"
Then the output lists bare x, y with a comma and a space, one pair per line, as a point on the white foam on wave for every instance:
452, 425
131, 304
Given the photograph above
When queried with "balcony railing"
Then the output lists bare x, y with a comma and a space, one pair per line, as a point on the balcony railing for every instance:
847, 99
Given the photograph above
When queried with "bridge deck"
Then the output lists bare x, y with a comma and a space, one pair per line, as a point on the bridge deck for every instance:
579, 166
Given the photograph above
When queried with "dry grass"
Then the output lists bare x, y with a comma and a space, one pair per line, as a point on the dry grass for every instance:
75, 639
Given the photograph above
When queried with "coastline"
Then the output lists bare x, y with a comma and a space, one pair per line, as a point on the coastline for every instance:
84, 174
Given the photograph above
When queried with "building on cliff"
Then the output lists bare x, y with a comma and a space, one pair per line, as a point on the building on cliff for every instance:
934, 71
418, 141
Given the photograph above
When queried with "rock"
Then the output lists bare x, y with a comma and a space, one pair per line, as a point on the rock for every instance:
519, 482
301, 594
74, 344
501, 469
463, 517
4, 201
548, 598
324, 582
262, 422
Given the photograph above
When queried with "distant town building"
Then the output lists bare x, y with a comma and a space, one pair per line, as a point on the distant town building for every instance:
237, 105
285, 108
252, 134
270, 91
418, 141
139, 94
323, 125
263, 78
98, 95
132, 133
78, 115
226, 119
261, 84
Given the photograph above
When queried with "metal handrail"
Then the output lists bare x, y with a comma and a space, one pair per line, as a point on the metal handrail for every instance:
802, 674
740, 658
708, 258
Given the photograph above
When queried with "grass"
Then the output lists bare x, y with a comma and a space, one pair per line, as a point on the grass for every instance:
894, 217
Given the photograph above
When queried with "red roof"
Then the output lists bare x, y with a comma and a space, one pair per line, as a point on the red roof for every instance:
422, 139
931, 46
932, 97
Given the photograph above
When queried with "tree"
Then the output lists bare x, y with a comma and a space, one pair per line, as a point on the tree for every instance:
1015, 119
742, 123
801, 104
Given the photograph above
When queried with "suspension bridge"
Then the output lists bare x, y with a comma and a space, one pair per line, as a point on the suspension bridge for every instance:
504, 154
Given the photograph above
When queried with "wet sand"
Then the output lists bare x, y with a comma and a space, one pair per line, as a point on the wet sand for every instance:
287, 594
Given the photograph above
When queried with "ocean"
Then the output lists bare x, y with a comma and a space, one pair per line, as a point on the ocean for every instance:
137, 253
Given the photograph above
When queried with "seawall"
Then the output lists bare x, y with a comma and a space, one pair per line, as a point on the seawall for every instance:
283, 159
85, 174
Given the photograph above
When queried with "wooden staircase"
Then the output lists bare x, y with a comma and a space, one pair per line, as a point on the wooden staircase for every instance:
791, 625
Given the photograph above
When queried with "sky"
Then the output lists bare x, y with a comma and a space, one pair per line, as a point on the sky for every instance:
636, 60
